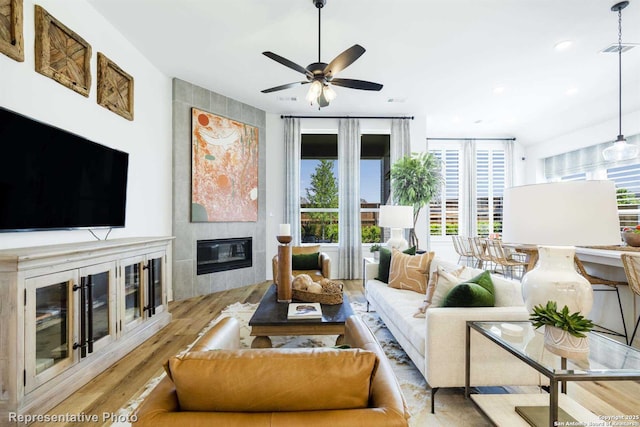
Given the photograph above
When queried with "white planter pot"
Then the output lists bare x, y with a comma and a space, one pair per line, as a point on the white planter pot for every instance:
562, 343
555, 279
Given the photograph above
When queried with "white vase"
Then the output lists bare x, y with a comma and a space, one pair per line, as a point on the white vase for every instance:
562, 343
555, 279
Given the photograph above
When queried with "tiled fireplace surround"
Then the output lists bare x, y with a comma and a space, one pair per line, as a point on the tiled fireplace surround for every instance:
186, 283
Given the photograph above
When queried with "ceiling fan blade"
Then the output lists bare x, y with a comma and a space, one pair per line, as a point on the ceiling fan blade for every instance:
287, 63
281, 87
357, 84
343, 60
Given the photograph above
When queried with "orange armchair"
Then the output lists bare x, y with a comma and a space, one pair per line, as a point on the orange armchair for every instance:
320, 269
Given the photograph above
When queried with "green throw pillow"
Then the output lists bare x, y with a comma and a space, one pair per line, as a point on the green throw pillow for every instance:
475, 292
305, 261
385, 262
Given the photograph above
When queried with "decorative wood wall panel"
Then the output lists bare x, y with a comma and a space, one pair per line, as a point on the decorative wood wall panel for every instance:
61, 54
115, 88
11, 38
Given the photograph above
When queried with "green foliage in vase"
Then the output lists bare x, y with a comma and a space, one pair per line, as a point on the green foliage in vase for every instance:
576, 324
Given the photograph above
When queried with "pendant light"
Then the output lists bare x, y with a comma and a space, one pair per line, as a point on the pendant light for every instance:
620, 150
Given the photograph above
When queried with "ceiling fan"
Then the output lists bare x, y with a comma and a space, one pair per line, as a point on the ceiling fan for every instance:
322, 75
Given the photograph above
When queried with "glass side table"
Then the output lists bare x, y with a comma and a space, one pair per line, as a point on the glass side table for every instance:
608, 360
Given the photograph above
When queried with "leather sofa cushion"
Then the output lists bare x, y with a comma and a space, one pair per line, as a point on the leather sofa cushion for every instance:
272, 380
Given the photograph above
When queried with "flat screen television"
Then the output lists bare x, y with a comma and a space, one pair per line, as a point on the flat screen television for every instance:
51, 179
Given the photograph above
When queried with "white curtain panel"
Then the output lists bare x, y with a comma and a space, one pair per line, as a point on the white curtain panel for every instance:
509, 162
400, 139
468, 203
292, 149
350, 242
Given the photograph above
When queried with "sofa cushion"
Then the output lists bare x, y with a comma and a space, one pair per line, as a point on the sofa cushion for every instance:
475, 292
385, 262
274, 380
305, 261
409, 271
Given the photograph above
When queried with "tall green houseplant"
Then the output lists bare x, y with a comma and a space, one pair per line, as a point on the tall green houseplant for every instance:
415, 180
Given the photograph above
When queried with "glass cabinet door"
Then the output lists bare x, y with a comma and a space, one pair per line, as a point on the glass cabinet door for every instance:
156, 280
49, 326
133, 293
97, 307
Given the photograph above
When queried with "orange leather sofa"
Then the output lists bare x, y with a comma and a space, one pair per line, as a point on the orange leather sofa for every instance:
284, 371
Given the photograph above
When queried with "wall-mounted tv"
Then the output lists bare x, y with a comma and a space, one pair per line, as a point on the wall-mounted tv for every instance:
51, 179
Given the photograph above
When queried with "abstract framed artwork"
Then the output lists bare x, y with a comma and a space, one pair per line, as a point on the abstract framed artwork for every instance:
61, 54
115, 88
11, 38
224, 169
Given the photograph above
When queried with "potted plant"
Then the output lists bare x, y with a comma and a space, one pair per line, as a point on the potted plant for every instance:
375, 249
415, 180
564, 333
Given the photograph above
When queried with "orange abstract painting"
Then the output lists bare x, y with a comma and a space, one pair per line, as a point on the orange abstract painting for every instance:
224, 177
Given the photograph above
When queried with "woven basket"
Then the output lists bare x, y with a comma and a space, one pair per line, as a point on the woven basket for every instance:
331, 293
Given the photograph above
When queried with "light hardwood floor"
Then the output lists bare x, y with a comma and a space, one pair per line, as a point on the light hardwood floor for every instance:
117, 385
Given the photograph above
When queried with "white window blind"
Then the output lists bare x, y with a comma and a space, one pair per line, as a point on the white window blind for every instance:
444, 211
490, 175
627, 179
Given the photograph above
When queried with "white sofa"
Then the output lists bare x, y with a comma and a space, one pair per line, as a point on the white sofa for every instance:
436, 343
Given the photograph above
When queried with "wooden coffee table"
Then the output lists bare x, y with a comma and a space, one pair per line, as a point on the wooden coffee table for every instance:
270, 319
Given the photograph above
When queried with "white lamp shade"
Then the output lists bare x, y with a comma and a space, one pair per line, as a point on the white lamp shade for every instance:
575, 213
396, 216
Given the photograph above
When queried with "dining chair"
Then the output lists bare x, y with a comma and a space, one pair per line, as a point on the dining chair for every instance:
462, 248
631, 264
507, 262
598, 284
479, 250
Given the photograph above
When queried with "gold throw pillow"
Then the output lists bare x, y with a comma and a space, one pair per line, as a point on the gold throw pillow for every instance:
410, 272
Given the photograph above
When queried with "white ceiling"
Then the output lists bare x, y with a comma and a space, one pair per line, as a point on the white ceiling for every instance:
442, 57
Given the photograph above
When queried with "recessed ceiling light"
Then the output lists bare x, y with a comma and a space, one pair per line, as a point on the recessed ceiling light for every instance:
571, 91
498, 90
287, 98
563, 45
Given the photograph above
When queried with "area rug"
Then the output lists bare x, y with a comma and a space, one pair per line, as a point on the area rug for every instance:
452, 409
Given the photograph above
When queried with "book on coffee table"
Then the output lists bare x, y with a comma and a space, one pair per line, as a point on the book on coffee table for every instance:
304, 310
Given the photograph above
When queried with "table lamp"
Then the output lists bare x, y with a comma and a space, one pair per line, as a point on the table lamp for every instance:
557, 217
397, 218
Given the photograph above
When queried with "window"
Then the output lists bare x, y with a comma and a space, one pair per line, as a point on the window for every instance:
627, 179
319, 186
444, 213
374, 183
490, 176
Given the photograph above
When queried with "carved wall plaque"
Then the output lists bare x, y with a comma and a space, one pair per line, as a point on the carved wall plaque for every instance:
61, 54
115, 88
11, 38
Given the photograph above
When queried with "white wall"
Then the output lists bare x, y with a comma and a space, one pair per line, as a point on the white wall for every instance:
147, 138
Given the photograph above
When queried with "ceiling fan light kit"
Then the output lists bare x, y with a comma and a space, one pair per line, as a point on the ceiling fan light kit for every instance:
620, 149
321, 75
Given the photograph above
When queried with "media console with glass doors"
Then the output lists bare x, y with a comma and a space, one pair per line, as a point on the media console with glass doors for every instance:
70, 311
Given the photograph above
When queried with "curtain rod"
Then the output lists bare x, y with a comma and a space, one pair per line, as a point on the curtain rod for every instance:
475, 139
347, 117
